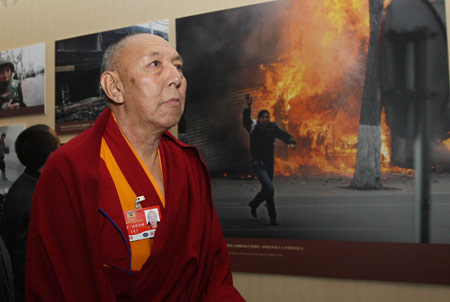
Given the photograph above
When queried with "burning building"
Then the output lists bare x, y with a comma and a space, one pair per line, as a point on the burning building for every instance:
304, 61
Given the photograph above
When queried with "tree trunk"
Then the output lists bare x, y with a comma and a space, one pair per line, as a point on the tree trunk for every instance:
368, 160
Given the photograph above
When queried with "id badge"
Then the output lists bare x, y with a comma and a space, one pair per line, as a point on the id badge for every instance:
142, 223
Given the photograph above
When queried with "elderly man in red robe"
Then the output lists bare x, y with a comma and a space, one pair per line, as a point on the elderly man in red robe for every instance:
88, 236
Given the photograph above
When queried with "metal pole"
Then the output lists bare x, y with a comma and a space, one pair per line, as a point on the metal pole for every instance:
422, 162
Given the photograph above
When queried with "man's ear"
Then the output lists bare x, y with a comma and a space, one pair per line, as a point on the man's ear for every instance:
111, 85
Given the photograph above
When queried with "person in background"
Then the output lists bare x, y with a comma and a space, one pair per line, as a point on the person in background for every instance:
33, 146
84, 242
263, 133
3, 151
11, 96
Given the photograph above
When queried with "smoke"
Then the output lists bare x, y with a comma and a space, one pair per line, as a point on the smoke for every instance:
223, 52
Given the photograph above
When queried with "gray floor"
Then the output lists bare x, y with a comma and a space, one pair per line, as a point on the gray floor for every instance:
334, 213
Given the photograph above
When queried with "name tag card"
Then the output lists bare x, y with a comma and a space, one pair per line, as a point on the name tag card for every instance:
142, 223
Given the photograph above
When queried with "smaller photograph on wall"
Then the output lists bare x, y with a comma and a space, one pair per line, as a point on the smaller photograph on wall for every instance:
22, 81
79, 99
10, 166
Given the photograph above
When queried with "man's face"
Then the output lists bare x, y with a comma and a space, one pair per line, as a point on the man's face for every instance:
152, 219
264, 119
5, 73
153, 85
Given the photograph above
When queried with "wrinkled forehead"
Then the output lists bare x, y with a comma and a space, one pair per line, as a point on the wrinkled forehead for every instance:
148, 45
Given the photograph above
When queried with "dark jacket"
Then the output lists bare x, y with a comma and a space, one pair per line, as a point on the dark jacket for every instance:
262, 138
13, 90
14, 225
6, 275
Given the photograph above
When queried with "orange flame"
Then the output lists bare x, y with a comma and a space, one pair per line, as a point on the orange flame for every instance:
314, 89
446, 142
385, 142
386, 3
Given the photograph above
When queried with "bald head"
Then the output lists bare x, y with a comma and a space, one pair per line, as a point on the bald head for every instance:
111, 57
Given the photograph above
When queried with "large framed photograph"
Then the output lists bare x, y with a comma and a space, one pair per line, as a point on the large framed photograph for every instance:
22, 81
79, 99
340, 87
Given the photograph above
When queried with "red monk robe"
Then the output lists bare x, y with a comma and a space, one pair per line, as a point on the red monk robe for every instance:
78, 248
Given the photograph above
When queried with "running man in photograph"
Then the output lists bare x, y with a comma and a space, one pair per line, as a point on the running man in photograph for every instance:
263, 133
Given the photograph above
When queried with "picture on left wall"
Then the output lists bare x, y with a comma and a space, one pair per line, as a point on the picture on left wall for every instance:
10, 166
22, 81
79, 99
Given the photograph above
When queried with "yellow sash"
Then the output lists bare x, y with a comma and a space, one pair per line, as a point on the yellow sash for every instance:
140, 250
